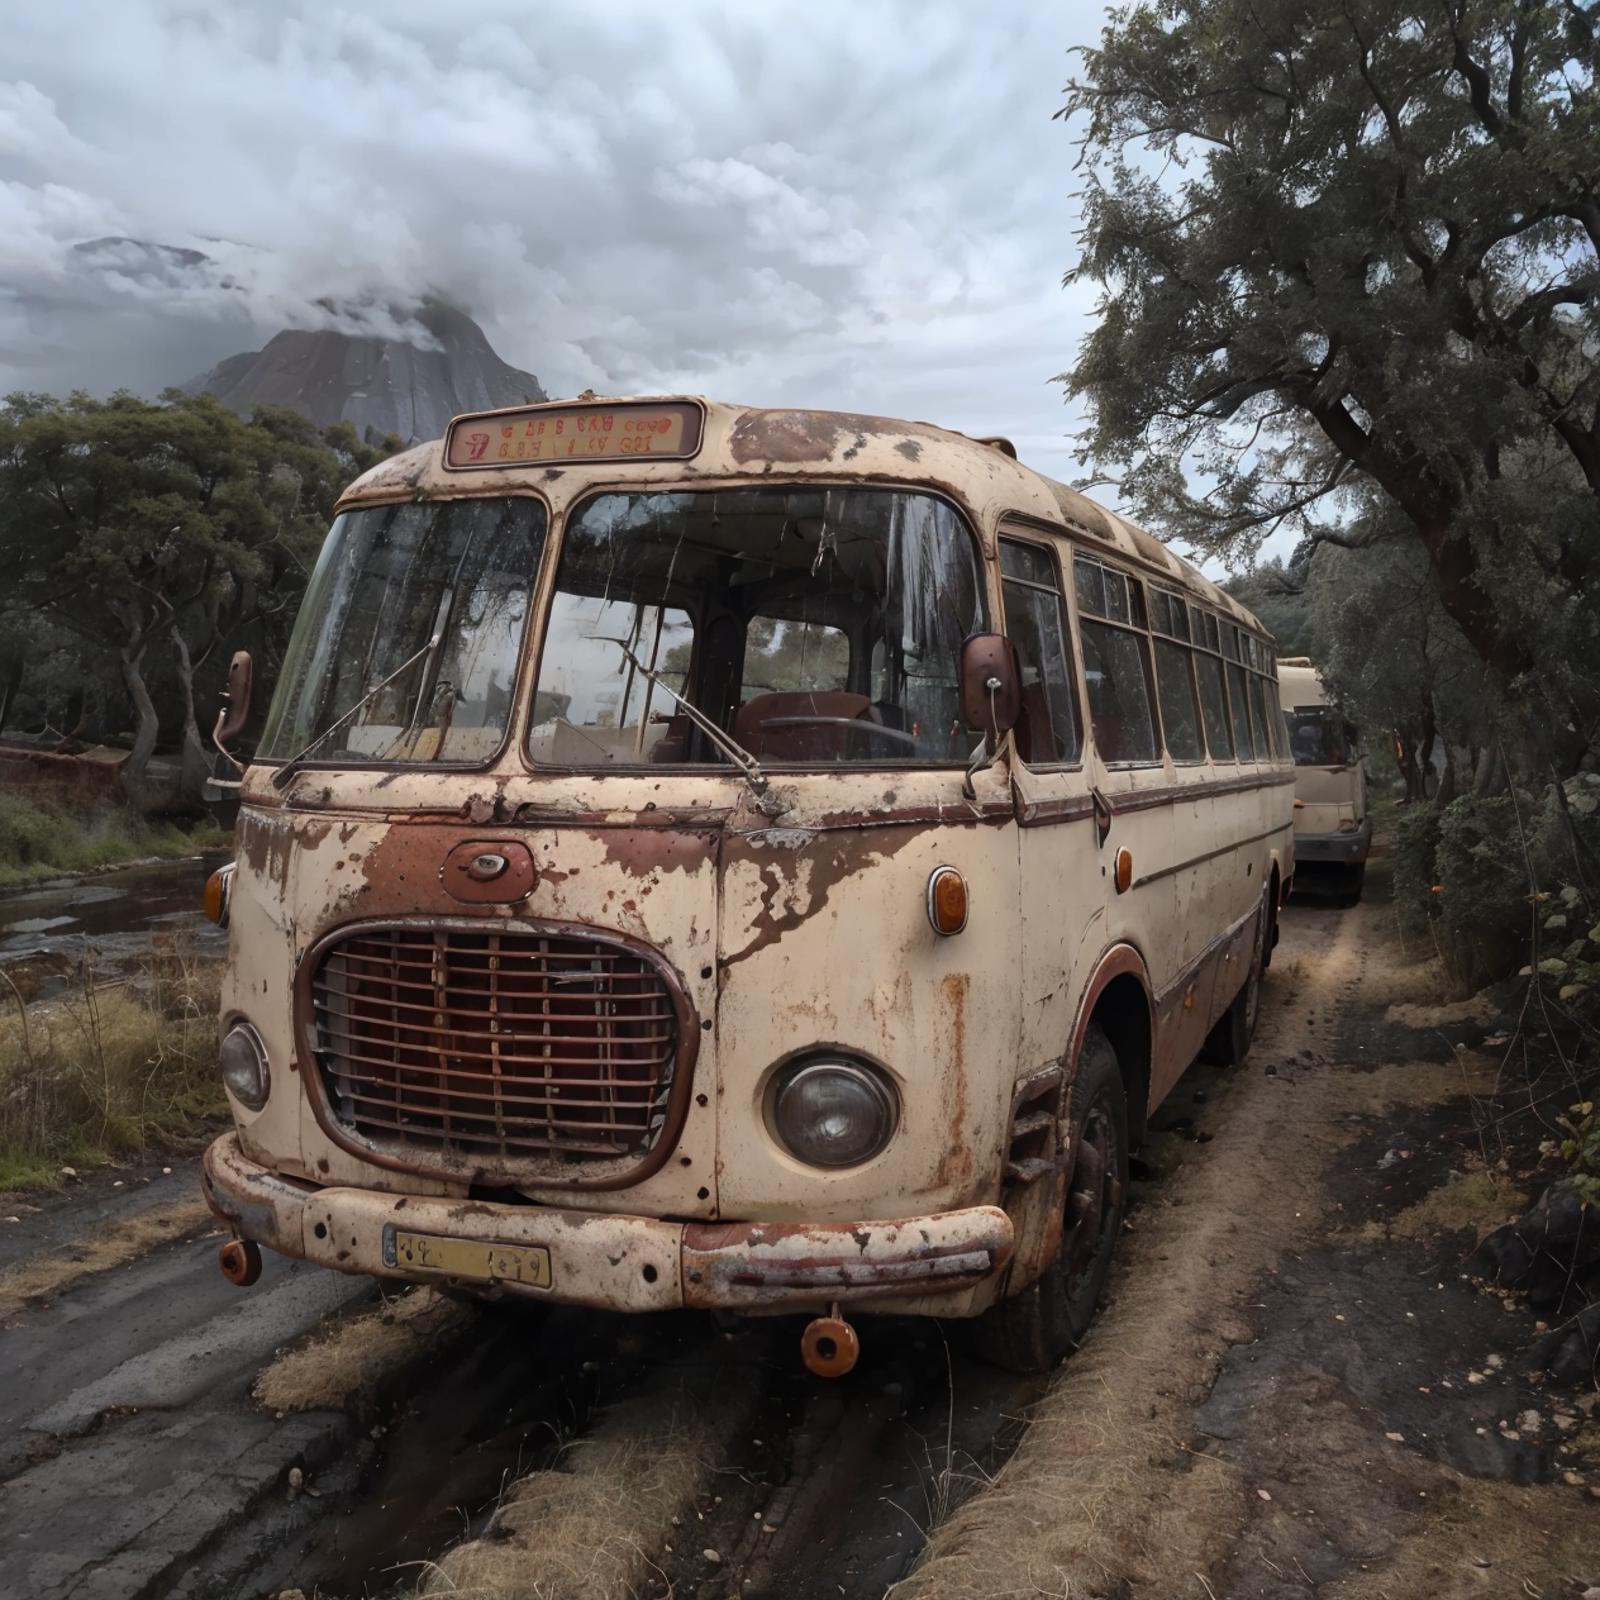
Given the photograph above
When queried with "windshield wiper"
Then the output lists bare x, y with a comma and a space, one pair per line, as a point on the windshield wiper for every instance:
749, 767
280, 778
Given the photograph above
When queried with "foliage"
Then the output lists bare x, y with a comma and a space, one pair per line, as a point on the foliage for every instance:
1468, 873
107, 1071
173, 531
1350, 262
43, 838
1416, 851
1581, 1150
1483, 891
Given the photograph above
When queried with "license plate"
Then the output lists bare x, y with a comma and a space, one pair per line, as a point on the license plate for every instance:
467, 1258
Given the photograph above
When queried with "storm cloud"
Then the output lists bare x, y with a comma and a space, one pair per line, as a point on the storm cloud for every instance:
855, 205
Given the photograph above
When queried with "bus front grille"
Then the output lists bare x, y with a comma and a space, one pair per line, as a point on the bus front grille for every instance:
499, 1055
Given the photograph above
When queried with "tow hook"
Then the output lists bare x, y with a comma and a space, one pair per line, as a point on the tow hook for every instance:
240, 1260
829, 1346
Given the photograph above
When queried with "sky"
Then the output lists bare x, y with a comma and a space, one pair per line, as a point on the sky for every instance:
862, 206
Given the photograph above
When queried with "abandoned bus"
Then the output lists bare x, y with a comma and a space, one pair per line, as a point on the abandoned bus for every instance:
754, 859
1332, 829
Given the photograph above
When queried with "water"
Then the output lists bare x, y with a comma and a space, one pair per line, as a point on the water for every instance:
46, 931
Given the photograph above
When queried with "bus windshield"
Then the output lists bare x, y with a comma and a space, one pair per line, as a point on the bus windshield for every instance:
1319, 737
406, 646
815, 626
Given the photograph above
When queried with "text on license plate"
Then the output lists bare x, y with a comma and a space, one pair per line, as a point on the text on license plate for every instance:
468, 1258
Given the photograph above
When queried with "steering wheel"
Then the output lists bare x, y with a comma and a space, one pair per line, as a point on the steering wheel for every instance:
851, 725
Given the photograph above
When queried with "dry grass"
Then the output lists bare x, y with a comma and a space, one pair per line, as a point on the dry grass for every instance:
108, 1244
1474, 1200
1104, 1496
588, 1528
349, 1365
108, 1068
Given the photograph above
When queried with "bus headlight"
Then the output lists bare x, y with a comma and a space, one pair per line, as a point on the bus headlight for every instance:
832, 1112
244, 1066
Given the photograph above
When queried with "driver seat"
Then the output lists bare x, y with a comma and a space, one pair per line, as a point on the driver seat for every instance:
759, 724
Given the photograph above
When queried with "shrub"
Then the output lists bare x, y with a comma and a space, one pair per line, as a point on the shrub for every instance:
1482, 925
44, 836
109, 1069
1416, 850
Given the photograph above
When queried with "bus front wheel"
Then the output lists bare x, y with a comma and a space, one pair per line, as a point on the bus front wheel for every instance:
1033, 1330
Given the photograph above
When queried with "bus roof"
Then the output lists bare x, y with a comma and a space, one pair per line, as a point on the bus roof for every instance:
776, 445
1299, 684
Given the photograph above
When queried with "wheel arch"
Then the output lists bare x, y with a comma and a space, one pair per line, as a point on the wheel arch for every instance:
1118, 999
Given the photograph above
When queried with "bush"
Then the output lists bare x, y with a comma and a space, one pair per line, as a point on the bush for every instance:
1416, 850
1484, 893
43, 836
109, 1069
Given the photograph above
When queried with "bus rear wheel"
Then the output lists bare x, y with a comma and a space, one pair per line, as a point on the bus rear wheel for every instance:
1033, 1330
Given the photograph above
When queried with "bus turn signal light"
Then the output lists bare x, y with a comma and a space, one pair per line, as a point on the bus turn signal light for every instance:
947, 901
219, 888
1124, 870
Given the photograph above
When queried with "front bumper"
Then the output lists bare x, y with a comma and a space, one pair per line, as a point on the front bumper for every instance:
623, 1263
1340, 848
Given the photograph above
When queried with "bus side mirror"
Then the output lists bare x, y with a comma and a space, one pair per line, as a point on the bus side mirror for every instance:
991, 685
235, 712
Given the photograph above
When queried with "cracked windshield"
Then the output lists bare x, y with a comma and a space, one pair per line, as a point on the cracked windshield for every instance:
816, 626
406, 646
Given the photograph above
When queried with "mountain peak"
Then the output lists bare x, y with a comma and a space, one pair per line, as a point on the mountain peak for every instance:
378, 385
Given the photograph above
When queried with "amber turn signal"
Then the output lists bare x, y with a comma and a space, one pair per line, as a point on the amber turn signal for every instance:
1124, 870
947, 900
219, 890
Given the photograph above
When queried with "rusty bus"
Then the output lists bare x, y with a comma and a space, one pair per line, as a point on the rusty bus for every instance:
769, 860
1332, 827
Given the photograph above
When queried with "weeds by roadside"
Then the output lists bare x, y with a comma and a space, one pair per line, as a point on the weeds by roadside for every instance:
109, 1068
42, 837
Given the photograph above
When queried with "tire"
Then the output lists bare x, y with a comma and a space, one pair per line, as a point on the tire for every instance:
1355, 878
1033, 1330
1229, 1041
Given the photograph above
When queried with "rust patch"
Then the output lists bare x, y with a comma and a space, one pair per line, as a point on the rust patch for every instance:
955, 1162
1081, 512
793, 436
910, 449
643, 852
831, 859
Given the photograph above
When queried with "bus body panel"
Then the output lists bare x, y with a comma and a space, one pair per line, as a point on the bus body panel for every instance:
793, 920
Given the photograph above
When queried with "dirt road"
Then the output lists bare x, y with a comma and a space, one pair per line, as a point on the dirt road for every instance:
1293, 1390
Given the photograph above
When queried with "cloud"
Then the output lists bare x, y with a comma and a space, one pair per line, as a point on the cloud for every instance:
857, 205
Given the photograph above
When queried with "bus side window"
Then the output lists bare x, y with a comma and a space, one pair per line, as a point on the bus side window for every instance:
1036, 622
1116, 664
1175, 677
1213, 693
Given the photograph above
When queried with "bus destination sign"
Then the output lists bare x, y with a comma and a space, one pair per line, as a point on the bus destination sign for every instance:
623, 432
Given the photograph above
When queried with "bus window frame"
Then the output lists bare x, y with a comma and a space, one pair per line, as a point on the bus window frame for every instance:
512, 741
1020, 532
1186, 644
986, 570
1138, 624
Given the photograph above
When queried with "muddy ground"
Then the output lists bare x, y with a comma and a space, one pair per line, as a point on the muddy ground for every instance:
1293, 1389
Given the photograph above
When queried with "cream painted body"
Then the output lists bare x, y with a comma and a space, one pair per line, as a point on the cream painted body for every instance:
1330, 802
800, 929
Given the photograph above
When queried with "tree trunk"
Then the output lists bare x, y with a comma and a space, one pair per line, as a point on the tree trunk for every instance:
1491, 774
9, 687
195, 767
136, 769
1448, 778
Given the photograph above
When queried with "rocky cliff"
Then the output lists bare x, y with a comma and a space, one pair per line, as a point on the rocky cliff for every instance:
381, 386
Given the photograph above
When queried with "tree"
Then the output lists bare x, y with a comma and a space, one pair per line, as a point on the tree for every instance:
144, 528
1352, 245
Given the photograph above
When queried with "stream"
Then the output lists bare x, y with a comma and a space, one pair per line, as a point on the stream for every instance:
46, 931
